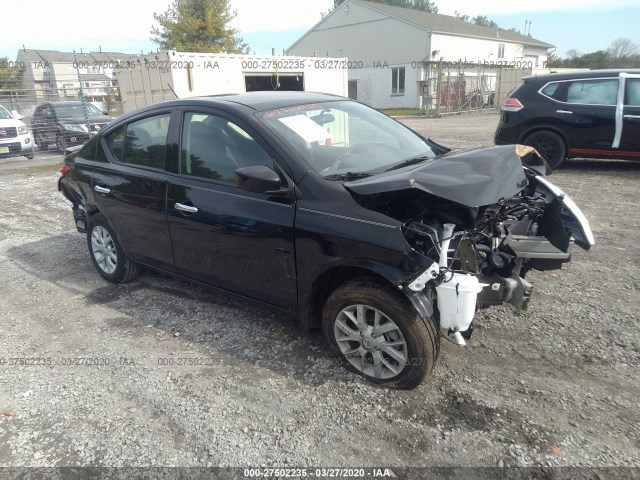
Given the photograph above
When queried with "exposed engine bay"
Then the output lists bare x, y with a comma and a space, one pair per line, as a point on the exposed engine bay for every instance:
482, 253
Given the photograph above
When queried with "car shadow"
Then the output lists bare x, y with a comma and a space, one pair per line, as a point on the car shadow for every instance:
223, 325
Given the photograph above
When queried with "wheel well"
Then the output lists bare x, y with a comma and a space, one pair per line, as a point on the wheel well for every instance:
327, 283
91, 214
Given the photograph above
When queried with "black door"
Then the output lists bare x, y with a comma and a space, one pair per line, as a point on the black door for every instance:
130, 189
588, 117
222, 235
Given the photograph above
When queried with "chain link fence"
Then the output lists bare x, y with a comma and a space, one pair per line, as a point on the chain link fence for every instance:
454, 88
57, 117
25, 101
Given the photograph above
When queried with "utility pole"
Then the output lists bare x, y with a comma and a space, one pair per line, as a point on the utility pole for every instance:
81, 93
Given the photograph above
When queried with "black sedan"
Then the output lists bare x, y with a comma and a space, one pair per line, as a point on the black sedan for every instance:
327, 209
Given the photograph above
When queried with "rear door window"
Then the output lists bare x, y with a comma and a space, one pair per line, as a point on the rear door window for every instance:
142, 143
593, 92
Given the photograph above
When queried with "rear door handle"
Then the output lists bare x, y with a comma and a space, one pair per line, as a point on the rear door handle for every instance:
185, 208
632, 118
100, 189
564, 112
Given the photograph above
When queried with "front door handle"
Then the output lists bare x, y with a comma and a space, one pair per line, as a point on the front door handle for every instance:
100, 189
632, 118
185, 208
564, 112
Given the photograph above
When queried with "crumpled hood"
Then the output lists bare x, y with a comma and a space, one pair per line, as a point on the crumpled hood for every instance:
472, 178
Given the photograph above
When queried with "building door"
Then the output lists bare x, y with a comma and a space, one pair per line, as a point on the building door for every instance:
353, 89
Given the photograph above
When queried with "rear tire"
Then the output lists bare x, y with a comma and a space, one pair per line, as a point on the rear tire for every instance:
377, 334
550, 145
106, 253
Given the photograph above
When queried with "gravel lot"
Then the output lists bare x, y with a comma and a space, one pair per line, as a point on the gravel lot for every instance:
557, 386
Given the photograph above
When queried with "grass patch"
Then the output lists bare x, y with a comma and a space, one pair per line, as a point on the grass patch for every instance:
399, 112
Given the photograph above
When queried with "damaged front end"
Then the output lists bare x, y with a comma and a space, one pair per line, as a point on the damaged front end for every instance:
485, 218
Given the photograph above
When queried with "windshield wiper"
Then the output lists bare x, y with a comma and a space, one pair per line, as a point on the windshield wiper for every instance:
347, 176
406, 163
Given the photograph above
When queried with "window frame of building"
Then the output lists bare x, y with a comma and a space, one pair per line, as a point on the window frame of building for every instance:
398, 80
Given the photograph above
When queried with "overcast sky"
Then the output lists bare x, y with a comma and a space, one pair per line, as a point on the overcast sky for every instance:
124, 25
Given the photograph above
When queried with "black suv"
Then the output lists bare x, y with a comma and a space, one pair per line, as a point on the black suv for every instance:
66, 123
592, 114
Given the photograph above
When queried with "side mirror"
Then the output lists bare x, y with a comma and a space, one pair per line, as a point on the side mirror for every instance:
16, 115
258, 179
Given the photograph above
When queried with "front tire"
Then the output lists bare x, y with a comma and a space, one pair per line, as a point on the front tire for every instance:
550, 145
37, 139
379, 335
106, 253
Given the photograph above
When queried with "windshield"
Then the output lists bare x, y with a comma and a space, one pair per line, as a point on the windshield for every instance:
77, 111
346, 138
4, 114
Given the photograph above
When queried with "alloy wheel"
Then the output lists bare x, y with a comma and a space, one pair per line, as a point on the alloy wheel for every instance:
370, 341
103, 249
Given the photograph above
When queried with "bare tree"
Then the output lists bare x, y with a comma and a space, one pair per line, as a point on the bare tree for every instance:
623, 48
573, 53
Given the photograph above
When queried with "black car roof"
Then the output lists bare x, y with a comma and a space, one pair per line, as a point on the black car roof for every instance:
258, 101
271, 100
549, 77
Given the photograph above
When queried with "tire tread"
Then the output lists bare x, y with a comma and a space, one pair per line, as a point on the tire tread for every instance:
425, 332
129, 270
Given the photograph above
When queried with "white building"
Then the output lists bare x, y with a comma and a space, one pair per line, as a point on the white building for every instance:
393, 51
55, 75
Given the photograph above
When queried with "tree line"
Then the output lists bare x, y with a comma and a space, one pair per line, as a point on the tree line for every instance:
622, 53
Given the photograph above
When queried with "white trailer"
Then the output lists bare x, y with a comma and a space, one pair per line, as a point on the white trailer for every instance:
167, 75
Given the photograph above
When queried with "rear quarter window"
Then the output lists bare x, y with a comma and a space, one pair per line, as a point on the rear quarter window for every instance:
115, 143
88, 150
552, 90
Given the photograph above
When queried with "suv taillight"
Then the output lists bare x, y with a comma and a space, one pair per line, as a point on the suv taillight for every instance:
63, 171
511, 105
